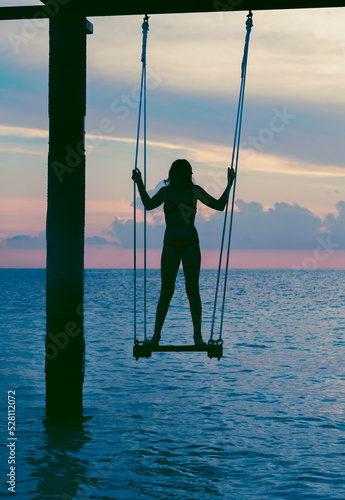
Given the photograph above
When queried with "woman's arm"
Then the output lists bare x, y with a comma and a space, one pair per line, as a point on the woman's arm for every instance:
149, 203
211, 202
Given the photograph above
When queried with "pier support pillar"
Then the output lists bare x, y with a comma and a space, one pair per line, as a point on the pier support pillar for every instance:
65, 349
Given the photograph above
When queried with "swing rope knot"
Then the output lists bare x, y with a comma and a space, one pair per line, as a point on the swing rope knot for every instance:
249, 25
249, 21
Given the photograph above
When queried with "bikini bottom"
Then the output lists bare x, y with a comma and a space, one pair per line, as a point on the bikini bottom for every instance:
181, 245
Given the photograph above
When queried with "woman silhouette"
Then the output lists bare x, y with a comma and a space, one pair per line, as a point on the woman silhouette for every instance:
181, 240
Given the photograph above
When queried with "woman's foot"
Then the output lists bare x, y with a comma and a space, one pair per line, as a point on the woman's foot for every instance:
199, 341
153, 341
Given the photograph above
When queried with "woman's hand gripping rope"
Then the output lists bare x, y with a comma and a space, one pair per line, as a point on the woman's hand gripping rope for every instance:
136, 175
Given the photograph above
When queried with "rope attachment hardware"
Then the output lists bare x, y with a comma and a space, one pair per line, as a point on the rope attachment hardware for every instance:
249, 22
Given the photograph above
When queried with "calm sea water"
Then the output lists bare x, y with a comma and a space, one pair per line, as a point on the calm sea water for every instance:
265, 422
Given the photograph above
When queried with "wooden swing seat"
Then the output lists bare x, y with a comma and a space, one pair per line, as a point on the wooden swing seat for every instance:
145, 350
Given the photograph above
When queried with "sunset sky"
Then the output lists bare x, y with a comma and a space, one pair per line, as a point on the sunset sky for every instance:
290, 208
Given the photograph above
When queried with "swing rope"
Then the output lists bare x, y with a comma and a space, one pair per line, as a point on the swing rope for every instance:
234, 164
234, 161
142, 103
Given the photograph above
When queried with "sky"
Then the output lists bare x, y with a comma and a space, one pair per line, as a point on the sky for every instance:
290, 193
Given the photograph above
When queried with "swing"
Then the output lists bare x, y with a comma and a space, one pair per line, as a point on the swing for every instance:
214, 348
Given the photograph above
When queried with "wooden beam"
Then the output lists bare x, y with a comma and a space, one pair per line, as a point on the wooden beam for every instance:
93, 8
111, 8
17, 13
13, 13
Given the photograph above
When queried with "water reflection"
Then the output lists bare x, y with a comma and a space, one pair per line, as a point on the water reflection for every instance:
62, 466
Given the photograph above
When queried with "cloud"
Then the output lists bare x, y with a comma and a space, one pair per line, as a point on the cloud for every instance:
283, 227
23, 132
123, 231
288, 227
313, 134
20, 150
336, 225
150, 192
268, 144
97, 240
26, 241
295, 53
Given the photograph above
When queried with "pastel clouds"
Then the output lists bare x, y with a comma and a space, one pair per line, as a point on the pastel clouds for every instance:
254, 155
296, 63
290, 51
282, 227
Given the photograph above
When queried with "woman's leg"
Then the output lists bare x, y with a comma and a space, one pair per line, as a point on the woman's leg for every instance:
191, 260
170, 262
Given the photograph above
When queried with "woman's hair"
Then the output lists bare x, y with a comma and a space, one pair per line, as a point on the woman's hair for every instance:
183, 167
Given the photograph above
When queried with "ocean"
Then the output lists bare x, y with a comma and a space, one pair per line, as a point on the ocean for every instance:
265, 422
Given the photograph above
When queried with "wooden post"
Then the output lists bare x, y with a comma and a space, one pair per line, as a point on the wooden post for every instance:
66, 215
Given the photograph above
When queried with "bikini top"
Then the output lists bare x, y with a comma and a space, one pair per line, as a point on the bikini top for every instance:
186, 206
